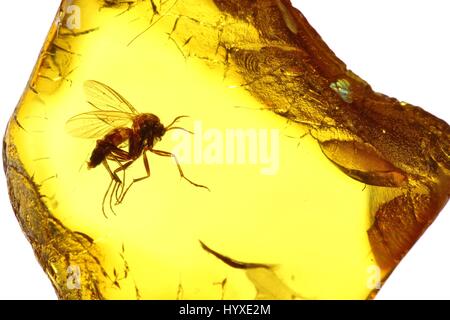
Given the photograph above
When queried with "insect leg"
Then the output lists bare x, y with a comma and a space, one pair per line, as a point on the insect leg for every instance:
168, 154
122, 167
104, 198
115, 181
114, 176
120, 156
115, 187
147, 169
123, 182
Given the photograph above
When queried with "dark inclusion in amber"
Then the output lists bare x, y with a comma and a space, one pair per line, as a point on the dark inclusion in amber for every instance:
318, 186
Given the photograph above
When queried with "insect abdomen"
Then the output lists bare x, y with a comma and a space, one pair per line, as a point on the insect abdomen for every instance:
99, 153
108, 144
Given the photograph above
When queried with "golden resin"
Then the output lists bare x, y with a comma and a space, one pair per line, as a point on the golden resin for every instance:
318, 186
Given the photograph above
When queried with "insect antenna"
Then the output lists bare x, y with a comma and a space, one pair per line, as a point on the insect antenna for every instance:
170, 126
179, 128
175, 120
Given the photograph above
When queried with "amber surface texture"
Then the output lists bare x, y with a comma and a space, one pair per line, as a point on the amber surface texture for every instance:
214, 149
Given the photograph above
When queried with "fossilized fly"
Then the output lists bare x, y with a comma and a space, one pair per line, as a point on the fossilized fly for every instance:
124, 135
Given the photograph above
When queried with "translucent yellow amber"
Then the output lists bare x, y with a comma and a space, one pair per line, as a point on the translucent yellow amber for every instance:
317, 185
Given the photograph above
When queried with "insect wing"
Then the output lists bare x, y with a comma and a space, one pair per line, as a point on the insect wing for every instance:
96, 124
103, 97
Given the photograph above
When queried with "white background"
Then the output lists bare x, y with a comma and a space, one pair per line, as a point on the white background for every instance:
400, 47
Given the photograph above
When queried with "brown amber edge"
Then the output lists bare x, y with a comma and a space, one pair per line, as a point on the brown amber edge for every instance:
47, 234
388, 248
56, 247
333, 68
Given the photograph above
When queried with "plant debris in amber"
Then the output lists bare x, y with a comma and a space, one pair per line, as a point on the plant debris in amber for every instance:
214, 149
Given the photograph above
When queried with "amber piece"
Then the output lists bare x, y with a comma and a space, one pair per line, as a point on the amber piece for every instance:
318, 186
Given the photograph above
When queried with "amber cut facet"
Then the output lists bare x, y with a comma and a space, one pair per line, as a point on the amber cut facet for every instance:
215, 149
